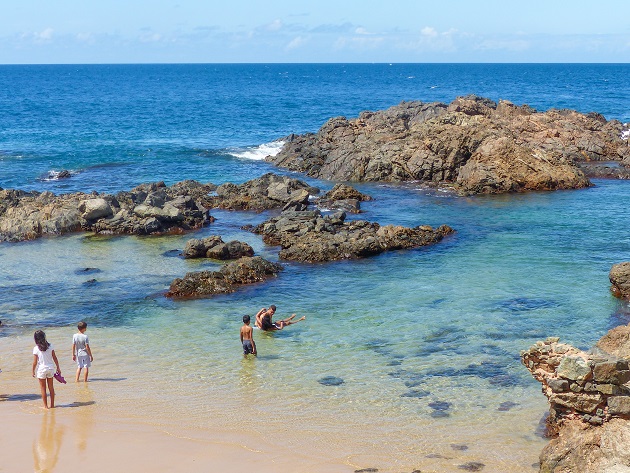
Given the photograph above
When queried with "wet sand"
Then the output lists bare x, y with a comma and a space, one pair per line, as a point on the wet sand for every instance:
158, 414
75, 434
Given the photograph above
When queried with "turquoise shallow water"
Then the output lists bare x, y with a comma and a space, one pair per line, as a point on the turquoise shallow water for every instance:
426, 341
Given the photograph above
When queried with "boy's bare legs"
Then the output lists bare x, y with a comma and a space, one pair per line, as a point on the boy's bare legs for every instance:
42, 387
51, 388
78, 374
87, 370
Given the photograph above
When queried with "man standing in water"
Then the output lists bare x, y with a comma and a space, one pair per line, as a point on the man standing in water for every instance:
264, 322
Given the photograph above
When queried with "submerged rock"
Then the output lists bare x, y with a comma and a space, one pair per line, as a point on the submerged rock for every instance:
330, 381
246, 270
473, 144
309, 236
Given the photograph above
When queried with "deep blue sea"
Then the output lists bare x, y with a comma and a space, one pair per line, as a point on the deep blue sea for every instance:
406, 331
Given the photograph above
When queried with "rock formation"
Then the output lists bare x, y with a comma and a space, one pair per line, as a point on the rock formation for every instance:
309, 236
214, 247
148, 209
269, 191
343, 197
472, 144
246, 270
620, 280
589, 398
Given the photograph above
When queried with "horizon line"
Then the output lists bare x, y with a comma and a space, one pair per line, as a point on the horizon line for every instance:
390, 63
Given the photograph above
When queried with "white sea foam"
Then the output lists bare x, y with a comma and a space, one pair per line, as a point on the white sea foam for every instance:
625, 134
259, 152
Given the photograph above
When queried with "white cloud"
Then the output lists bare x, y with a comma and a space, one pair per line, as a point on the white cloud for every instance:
296, 43
45, 35
275, 25
429, 31
85, 37
150, 37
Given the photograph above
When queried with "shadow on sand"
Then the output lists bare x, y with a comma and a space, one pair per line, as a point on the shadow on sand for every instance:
19, 397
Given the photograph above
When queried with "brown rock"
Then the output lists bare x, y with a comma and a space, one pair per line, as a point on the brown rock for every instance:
620, 279
311, 237
472, 144
228, 279
214, 247
616, 342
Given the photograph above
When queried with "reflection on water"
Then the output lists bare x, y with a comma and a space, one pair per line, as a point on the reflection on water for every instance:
84, 420
47, 444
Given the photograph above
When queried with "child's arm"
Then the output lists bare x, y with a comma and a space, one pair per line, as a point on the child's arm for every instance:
241, 336
74, 351
89, 351
34, 364
56, 361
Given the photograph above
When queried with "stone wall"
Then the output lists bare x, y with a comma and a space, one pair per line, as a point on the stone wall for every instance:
591, 387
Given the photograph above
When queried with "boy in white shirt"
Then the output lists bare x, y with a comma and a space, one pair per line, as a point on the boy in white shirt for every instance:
81, 352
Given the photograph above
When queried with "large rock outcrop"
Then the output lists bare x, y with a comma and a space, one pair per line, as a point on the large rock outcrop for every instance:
473, 144
309, 236
146, 210
589, 398
232, 276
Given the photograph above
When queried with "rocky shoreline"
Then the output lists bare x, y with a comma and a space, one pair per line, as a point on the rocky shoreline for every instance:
589, 399
473, 145
589, 396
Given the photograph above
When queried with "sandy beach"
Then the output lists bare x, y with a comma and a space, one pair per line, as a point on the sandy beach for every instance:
125, 419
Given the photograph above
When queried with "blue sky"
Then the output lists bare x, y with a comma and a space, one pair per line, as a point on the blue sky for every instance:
218, 31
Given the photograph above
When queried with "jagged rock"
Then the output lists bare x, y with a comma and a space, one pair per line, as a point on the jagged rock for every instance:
214, 247
147, 209
343, 197
228, 279
269, 191
616, 342
620, 279
473, 144
591, 420
311, 237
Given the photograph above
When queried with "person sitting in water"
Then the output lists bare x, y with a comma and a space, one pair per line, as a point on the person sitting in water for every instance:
264, 320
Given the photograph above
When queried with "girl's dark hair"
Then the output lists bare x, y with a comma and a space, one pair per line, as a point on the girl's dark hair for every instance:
40, 340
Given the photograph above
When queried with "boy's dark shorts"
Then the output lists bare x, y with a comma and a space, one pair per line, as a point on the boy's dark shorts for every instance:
248, 348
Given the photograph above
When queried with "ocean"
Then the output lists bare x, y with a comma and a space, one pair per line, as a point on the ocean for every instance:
425, 342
